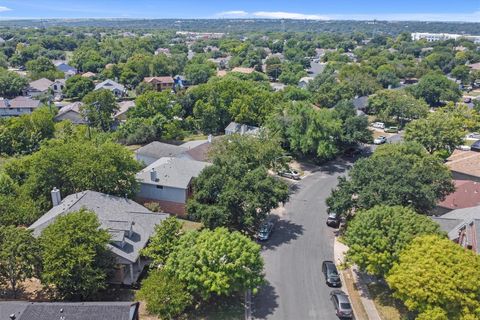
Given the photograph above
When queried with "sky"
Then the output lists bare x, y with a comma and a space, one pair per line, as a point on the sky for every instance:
425, 10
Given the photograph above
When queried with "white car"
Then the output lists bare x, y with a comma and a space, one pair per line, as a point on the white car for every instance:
290, 173
378, 125
380, 140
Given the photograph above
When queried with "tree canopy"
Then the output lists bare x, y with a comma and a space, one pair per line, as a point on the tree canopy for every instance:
397, 174
376, 237
436, 277
75, 257
435, 88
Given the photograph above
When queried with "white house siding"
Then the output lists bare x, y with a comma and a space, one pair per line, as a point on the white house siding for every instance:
13, 112
149, 191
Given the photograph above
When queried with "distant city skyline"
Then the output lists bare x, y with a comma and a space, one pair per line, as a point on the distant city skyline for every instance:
423, 10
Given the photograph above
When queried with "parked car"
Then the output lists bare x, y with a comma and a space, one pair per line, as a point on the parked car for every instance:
265, 231
342, 304
290, 173
391, 130
380, 140
332, 278
473, 135
475, 146
378, 125
333, 220
467, 100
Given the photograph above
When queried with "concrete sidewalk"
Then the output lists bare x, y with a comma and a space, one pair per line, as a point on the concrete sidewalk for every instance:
339, 250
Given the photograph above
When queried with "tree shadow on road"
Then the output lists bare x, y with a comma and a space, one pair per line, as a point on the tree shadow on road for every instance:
283, 232
335, 167
265, 302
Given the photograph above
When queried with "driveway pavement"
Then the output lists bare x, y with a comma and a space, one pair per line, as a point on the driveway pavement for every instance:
296, 289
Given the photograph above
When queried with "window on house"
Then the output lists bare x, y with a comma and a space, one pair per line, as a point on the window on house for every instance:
159, 187
55, 87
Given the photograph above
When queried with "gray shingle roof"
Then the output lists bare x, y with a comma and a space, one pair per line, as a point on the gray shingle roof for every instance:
235, 127
158, 150
114, 214
109, 85
172, 172
24, 310
40, 84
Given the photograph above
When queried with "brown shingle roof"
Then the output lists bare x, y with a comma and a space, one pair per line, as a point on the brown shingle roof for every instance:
466, 162
158, 79
466, 195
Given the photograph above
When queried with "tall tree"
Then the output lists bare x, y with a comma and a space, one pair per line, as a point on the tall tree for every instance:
78, 87
435, 88
99, 107
436, 277
376, 237
19, 256
216, 262
75, 256
397, 174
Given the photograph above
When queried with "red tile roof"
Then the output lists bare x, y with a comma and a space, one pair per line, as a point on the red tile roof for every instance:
466, 195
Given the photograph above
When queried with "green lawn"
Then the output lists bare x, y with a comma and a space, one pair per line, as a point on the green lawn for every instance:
231, 309
388, 307
194, 137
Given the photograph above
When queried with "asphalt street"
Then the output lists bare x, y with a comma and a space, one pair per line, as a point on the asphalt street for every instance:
296, 288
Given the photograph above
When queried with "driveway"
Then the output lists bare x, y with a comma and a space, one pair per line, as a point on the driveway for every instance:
293, 255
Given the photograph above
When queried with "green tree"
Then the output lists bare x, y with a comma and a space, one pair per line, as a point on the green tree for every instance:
396, 174
75, 256
396, 105
42, 67
216, 263
435, 88
99, 107
462, 73
165, 296
151, 103
440, 131
435, 276
163, 241
376, 237
72, 166
11, 84
198, 73
78, 87
274, 67
387, 76
19, 256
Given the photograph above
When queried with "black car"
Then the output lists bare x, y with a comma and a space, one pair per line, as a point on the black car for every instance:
265, 231
475, 146
332, 278
333, 220
342, 304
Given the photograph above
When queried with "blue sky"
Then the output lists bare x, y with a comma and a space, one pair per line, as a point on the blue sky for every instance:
439, 10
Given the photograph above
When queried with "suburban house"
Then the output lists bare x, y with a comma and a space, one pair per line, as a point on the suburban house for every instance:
160, 83
466, 195
123, 107
117, 89
361, 105
194, 150
89, 75
168, 182
58, 86
26, 310
303, 82
38, 87
462, 226
465, 165
17, 106
181, 82
71, 112
242, 129
165, 51
129, 224
62, 66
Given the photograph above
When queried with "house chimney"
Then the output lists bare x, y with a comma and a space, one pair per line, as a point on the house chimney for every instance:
56, 197
209, 138
153, 175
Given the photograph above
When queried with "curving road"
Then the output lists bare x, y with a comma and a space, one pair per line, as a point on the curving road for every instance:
296, 289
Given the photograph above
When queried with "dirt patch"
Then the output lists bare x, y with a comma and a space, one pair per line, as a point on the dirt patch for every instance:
388, 307
354, 294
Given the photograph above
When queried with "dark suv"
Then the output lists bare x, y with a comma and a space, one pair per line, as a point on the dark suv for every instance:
332, 278
333, 220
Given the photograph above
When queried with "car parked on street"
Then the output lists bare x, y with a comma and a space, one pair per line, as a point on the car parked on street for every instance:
332, 278
265, 231
380, 140
342, 304
333, 220
290, 174
391, 130
475, 146
378, 125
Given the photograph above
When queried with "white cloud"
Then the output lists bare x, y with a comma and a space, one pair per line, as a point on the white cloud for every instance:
232, 14
288, 15
3, 9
